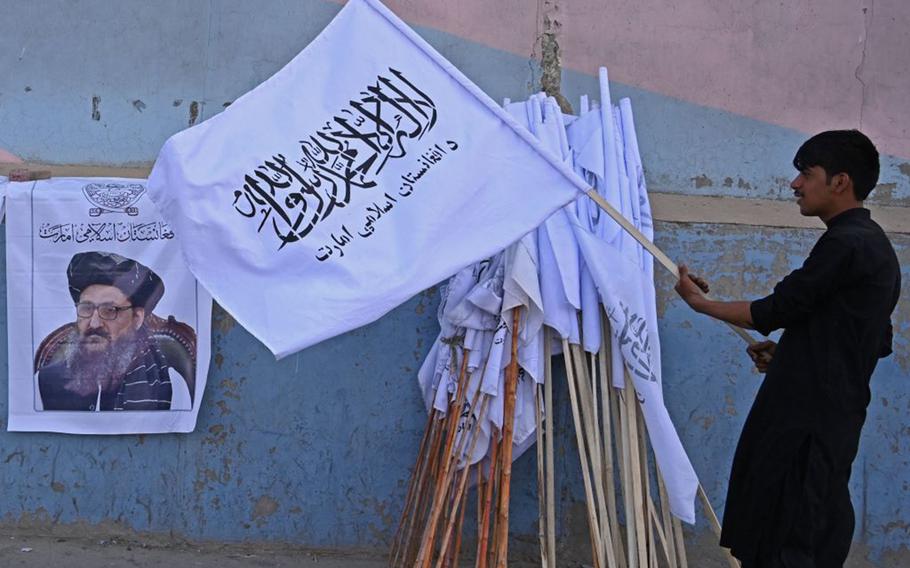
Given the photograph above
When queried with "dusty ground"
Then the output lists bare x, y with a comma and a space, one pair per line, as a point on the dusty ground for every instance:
83, 552
28, 549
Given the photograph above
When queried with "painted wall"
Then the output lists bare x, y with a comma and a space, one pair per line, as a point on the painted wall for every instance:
315, 450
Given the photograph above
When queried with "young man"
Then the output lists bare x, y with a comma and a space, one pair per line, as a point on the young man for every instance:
788, 503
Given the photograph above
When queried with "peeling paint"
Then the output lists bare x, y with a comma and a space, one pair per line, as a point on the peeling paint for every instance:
702, 181
550, 65
194, 112
264, 507
222, 322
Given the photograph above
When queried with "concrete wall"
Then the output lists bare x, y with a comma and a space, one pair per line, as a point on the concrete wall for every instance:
315, 450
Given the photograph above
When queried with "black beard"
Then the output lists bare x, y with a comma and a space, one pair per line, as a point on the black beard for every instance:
89, 369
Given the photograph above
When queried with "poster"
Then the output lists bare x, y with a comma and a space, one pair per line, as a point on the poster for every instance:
109, 332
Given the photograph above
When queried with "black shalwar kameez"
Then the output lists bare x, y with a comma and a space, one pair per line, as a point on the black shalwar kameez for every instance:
788, 503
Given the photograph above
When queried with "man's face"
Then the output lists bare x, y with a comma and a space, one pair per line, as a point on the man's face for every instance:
813, 191
97, 334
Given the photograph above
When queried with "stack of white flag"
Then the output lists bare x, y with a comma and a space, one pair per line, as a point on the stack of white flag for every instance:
575, 265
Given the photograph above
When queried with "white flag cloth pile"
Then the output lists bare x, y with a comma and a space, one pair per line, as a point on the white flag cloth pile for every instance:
575, 265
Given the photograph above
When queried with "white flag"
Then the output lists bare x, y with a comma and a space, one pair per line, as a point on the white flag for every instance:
364, 171
619, 282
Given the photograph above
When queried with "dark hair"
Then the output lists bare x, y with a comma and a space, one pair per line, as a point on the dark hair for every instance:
842, 151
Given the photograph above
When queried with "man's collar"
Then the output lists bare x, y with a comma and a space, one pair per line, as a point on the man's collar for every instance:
849, 216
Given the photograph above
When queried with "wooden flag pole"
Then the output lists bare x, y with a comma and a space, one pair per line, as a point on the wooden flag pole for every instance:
508, 431
658, 254
638, 505
549, 452
606, 390
715, 524
596, 543
419, 509
666, 520
595, 447
462, 483
667, 263
416, 480
484, 525
541, 479
425, 554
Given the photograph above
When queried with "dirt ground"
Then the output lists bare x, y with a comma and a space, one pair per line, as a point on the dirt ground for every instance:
27, 549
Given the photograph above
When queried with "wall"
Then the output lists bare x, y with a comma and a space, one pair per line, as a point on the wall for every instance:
315, 449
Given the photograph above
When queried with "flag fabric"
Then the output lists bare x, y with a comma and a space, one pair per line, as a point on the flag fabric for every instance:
612, 273
620, 285
364, 171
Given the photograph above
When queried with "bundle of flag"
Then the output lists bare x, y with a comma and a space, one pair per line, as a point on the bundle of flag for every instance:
582, 286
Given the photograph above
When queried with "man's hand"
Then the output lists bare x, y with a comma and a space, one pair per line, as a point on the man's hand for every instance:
690, 287
761, 354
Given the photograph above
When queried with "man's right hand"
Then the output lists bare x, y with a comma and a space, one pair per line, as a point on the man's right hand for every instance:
761, 354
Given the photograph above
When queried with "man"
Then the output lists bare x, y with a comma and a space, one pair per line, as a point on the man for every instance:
109, 363
788, 502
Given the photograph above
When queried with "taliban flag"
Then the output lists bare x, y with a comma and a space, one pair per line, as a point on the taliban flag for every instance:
366, 170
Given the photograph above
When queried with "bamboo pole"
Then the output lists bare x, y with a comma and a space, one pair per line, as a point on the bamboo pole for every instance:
460, 528
415, 482
666, 521
484, 527
420, 506
550, 469
508, 426
606, 390
631, 400
715, 525
425, 554
596, 543
621, 413
680, 543
658, 254
462, 483
594, 440
541, 479
646, 484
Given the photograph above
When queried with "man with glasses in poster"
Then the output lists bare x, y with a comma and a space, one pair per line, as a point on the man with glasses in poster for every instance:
107, 361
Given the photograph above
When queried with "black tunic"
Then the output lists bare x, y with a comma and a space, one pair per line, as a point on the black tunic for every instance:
788, 494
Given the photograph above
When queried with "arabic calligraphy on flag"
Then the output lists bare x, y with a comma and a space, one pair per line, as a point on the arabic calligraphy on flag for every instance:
343, 194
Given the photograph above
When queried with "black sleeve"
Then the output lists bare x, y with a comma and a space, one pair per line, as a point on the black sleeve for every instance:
806, 288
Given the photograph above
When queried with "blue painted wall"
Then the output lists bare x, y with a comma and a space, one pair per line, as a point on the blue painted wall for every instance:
316, 449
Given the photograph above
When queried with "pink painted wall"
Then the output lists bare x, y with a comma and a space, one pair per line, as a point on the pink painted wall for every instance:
808, 64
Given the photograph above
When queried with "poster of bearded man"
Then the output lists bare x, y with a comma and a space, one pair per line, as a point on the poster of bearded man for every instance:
109, 331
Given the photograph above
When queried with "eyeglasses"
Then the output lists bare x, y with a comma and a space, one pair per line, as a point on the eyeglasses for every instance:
85, 310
